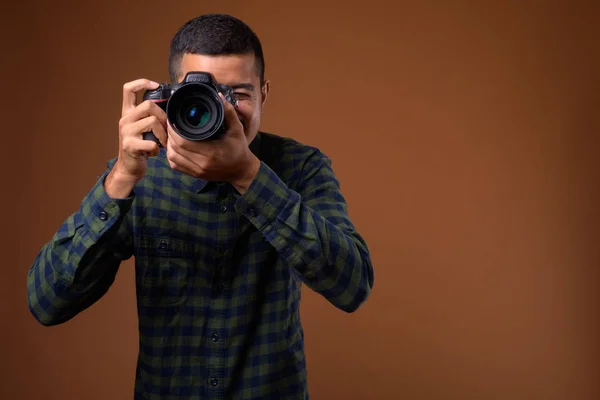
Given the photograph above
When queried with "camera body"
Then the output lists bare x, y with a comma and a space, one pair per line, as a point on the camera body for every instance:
193, 107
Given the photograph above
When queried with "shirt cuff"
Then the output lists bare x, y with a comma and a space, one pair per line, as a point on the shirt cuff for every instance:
100, 212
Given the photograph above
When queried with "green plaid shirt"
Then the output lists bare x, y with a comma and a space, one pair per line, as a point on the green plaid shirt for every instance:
218, 274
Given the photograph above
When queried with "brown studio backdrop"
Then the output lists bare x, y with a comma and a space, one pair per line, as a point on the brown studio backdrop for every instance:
465, 137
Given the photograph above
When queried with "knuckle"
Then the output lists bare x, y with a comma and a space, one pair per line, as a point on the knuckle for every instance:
170, 156
126, 143
203, 165
128, 86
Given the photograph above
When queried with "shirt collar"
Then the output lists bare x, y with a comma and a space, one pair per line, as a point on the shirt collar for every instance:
255, 145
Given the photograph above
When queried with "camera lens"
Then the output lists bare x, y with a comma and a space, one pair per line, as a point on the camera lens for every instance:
195, 111
197, 115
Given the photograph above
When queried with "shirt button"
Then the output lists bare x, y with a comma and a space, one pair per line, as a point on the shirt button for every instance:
223, 208
163, 244
221, 248
103, 216
251, 211
215, 337
214, 381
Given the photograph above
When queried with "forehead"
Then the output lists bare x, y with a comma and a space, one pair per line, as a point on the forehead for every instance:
227, 69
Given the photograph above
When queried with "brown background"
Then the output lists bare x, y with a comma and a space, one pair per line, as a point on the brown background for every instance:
465, 135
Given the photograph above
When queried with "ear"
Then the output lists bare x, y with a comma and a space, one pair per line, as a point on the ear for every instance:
265, 92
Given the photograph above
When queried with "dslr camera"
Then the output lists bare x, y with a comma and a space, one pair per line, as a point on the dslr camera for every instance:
193, 107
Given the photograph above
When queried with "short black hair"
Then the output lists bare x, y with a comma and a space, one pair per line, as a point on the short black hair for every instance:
215, 34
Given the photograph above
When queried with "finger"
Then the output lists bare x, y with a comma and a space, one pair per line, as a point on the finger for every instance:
140, 147
181, 168
148, 124
187, 148
129, 92
173, 137
146, 109
159, 131
231, 117
180, 163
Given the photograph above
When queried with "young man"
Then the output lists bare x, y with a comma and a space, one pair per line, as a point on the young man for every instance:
223, 233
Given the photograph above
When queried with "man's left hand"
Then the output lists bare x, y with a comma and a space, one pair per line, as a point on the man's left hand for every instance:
227, 159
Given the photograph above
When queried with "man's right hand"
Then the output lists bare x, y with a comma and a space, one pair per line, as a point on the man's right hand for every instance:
134, 151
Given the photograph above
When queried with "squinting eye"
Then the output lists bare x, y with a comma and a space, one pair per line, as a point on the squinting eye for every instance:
240, 95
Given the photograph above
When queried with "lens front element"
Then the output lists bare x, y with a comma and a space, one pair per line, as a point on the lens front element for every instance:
197, 115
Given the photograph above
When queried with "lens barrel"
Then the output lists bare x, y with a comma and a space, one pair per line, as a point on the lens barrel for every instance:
195, 111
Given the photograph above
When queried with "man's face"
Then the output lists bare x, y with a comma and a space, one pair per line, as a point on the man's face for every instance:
239, 72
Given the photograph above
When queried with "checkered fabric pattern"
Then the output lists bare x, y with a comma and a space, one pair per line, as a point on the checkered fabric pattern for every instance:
218, 274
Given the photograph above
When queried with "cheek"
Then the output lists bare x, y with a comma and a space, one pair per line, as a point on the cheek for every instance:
247, 111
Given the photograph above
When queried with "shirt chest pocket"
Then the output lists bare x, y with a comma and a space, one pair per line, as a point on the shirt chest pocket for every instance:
164, 268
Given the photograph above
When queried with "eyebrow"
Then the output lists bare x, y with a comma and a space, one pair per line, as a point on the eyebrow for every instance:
248, 86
